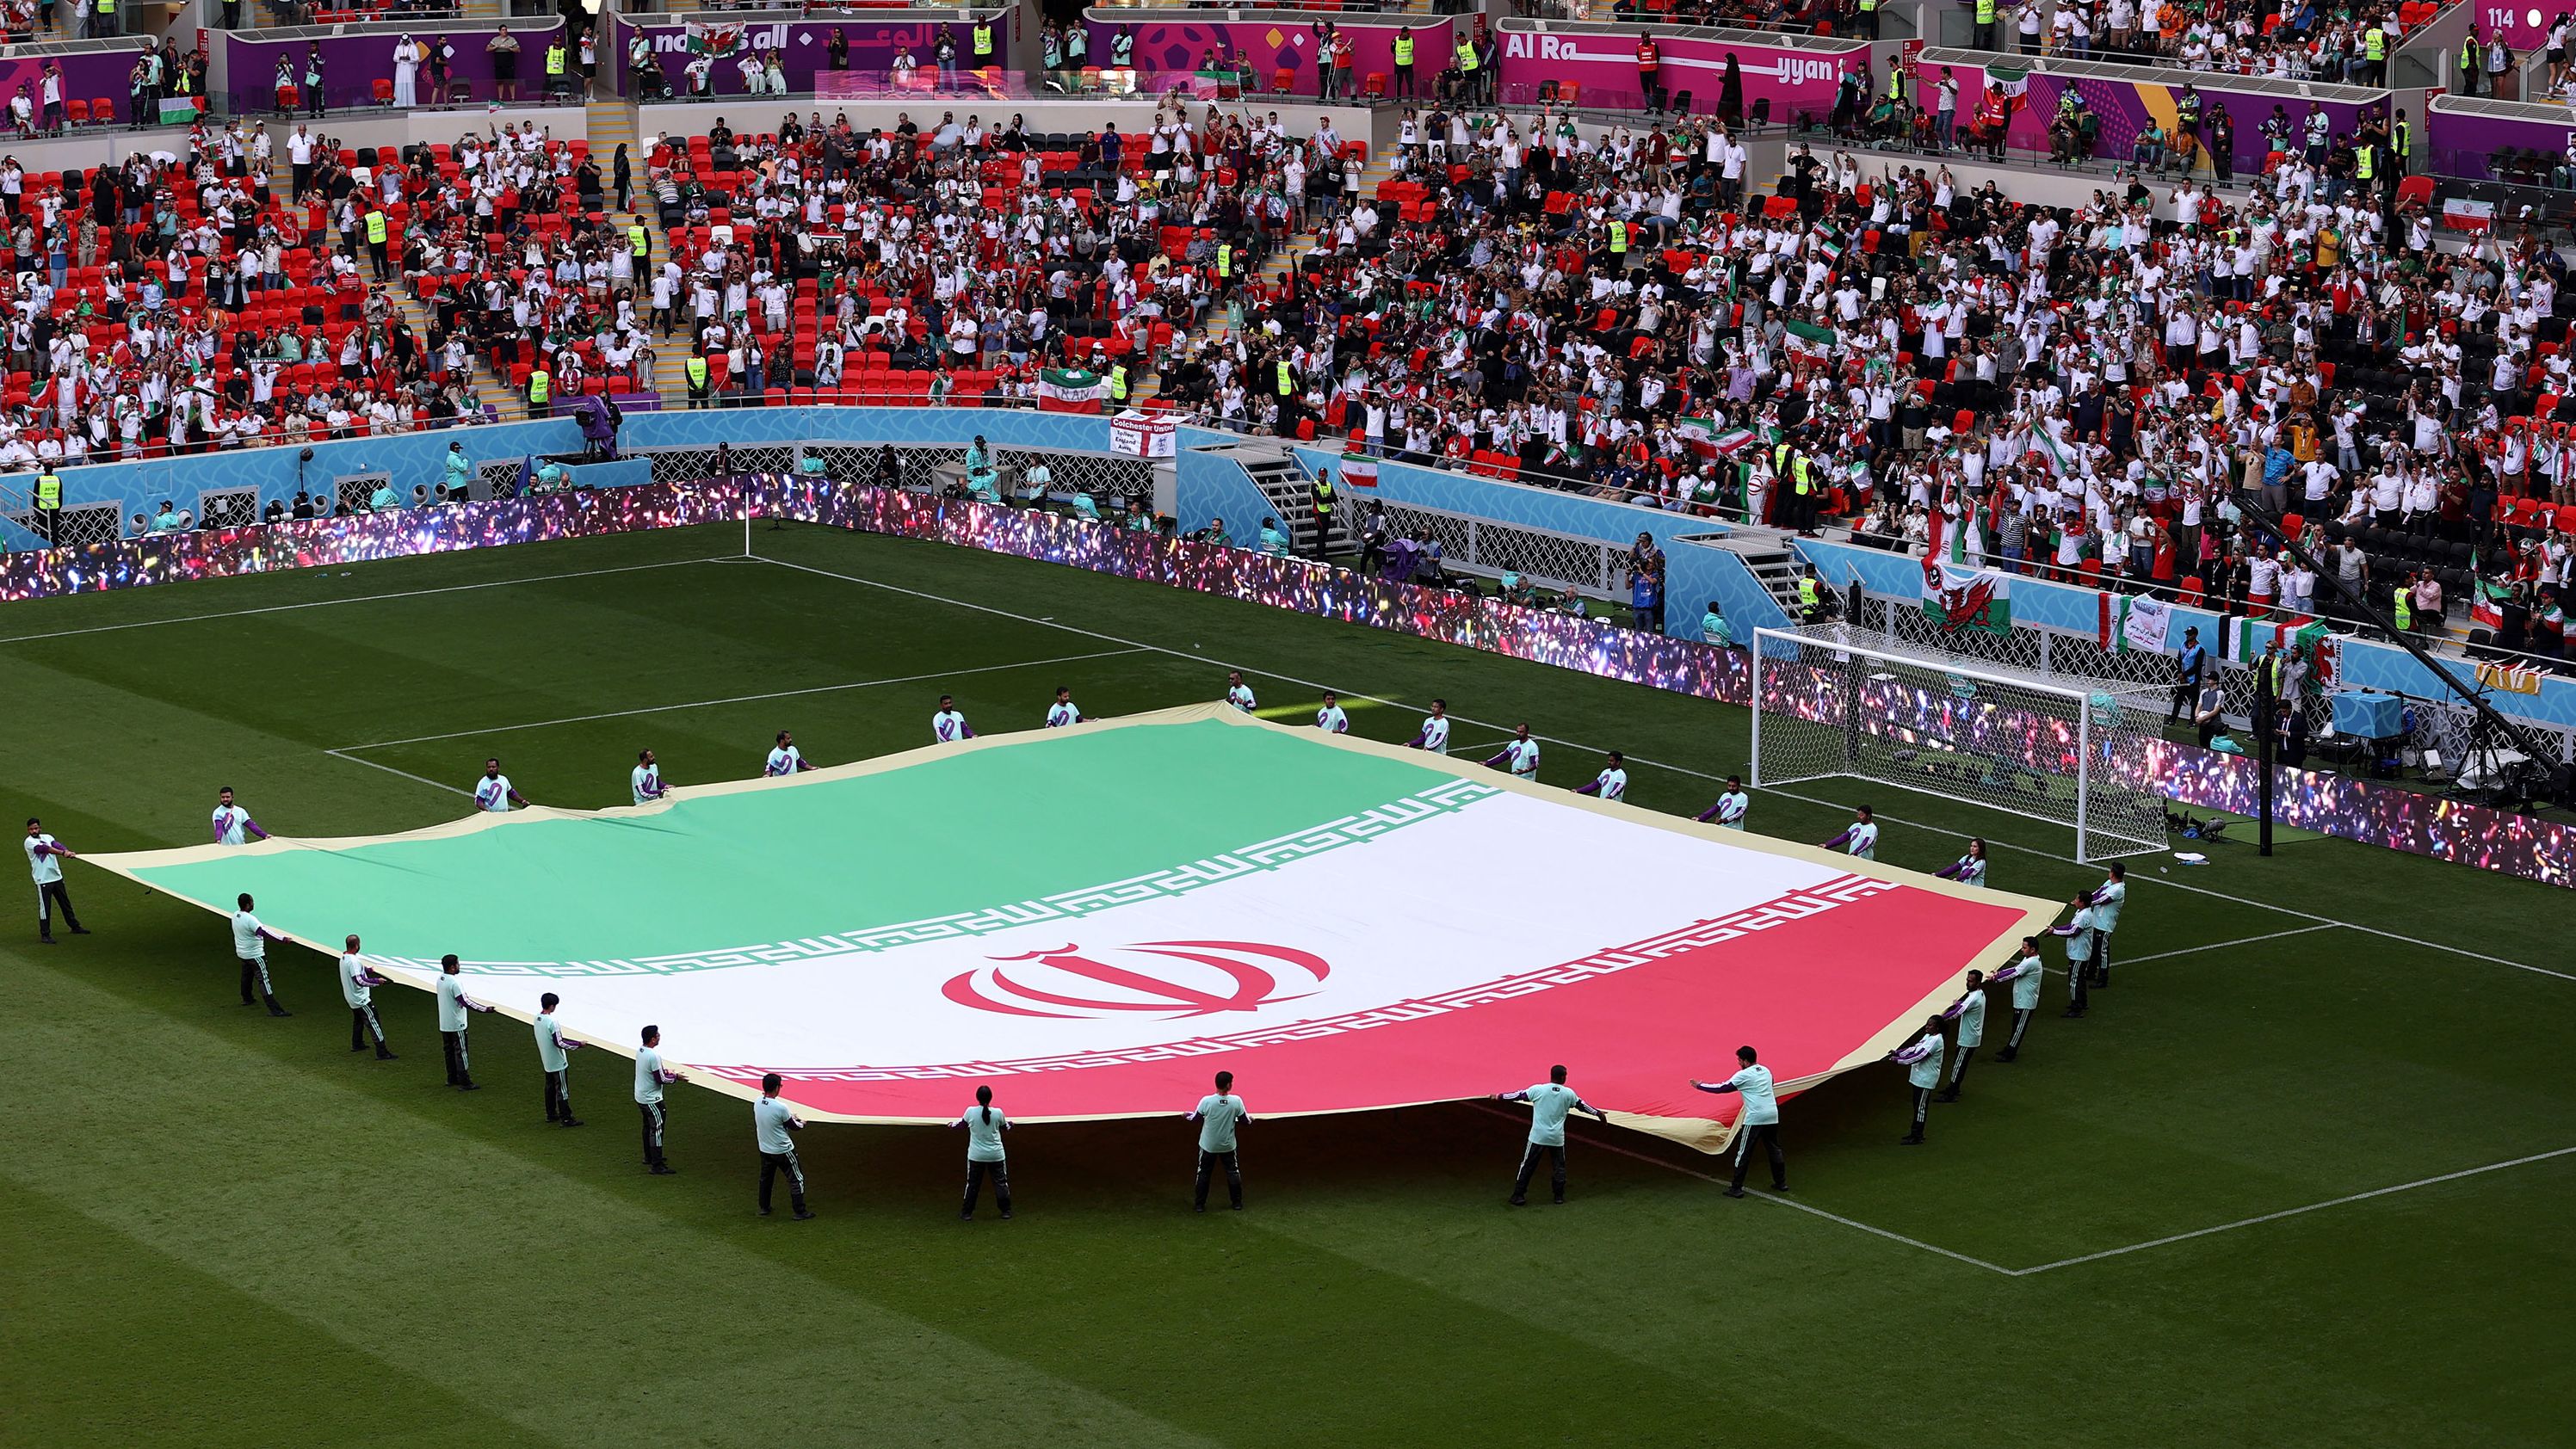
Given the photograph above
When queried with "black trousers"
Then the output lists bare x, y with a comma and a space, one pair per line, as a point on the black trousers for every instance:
1555, 1154
656, 1117
1209, 1162
2101, 957
2021, 1023
49, 896
255, 974
1768, 1134
1922, 1108
772, 1166
362, 1025
459, 1071
1961, 1055
976, 1172
559, 1096
2078, 974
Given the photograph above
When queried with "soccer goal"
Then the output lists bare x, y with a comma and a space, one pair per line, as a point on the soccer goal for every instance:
2075, 752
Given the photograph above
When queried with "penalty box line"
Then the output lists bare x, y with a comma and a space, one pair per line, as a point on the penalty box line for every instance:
1810, 1209
2034, 851
345, 751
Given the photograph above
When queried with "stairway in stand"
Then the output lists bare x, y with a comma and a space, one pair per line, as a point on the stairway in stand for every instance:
281, 185
612, 123
1274, 272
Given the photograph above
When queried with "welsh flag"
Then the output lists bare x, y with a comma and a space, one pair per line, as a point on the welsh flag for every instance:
1956, 598
1071, 390
710, 39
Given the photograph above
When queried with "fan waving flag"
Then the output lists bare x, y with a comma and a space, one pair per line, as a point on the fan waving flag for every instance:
712, 39
1956, 598
1071, 390
1357, 936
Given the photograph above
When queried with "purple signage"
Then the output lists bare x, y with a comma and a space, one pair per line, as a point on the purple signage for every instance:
91, 77
803, 47
2465, 146
352, 64
1599, 68
1272, 47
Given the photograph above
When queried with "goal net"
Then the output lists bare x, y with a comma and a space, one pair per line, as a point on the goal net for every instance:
2073, 751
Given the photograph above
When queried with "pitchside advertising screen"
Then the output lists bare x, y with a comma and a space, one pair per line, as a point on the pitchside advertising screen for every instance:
1095, 920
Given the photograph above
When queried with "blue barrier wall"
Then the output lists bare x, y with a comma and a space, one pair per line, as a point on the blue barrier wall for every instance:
2042, 604
1211, 485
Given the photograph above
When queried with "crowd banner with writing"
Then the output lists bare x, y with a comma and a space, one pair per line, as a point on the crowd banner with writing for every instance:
1144, 435
1796, 74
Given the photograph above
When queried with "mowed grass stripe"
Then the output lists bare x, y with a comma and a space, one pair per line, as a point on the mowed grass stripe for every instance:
585, 1315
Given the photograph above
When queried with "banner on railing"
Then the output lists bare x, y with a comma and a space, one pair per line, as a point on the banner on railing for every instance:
1141, 435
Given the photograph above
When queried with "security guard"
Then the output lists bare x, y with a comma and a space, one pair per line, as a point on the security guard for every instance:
49, 506
699, 379
376, 230
1810, 604
2374, 51
103, 18
1224, 266
541, 391
1618, 245
1322, 496
1650, 71
1404, 61
639, 241
1118, 382
983, 37
555, 85
1467, 78
1802, 487
2401, 144
1985, 24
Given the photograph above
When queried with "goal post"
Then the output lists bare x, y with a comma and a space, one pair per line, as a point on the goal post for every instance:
2072, 752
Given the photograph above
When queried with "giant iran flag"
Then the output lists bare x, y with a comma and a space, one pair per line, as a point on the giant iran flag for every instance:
1094, 920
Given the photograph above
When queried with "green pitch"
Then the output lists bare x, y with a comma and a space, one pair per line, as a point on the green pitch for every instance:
227, 1230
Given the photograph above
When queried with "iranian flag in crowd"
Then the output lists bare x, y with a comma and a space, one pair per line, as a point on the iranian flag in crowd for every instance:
707, 39
1808, 339
2012, 80
1711, 438
2460, 213
2486, 603
2245, 640
1071, 390
1359, 470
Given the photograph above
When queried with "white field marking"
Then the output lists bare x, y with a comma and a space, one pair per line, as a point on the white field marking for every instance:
1676, 769
2293, 1212
2220, 945
739, 699
406, 774
358, 599
1810, 1209
1680, 770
